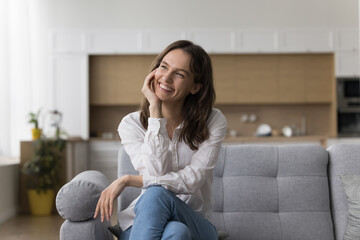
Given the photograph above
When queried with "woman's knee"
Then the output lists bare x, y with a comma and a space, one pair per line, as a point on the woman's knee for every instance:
176, 231
156, 196
156, 192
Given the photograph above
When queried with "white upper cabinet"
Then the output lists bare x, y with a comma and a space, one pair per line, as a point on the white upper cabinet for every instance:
347, 64
347, 40
155, 40
347, 53
69, 91
314, 40
259, 41
68, 41
114, 41
152, 41
214, 41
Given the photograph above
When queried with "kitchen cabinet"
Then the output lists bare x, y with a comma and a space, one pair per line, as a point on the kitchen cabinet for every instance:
256, 78
347, 40
224, 77
306, 40
347, 63
118, 79
257, 41
154, 40
68, 41
214, 40
319, 78
347, 53
291, 79
70, 50
69, 92
113, 41
274, 78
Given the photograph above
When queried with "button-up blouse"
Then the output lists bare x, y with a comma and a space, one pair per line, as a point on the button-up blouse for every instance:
170, 162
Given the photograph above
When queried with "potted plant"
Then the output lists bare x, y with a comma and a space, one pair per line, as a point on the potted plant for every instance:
34, 119
42, 174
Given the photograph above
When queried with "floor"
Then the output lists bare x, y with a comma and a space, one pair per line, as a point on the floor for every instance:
27, 227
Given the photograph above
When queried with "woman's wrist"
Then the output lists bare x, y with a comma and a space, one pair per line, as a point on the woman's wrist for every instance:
155, 110
133, 181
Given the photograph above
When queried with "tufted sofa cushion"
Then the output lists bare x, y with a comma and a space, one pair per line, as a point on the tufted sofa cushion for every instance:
265, 192
272, 192
76, 201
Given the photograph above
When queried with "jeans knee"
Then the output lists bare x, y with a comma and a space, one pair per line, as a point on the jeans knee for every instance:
155, 193
155, 196
176, 231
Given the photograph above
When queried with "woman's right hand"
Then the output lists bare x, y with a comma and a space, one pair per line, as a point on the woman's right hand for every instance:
148, 90
105, 204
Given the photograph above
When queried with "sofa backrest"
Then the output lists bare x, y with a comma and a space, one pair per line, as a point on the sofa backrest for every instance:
125, 167
264, 192
272, 192
344, 159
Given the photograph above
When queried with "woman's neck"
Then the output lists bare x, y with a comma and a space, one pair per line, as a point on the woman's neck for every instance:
173, 114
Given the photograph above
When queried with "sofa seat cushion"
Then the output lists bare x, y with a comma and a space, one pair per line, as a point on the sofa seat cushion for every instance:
76, 200
272, 192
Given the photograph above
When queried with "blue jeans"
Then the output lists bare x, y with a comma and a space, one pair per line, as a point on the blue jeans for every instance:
162, 215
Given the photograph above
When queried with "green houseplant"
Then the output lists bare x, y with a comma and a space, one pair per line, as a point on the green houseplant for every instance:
34, 119
42, 174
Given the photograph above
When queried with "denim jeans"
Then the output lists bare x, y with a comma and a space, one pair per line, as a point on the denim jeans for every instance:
162, 215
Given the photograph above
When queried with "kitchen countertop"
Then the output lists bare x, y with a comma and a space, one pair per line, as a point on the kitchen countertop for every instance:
249, 139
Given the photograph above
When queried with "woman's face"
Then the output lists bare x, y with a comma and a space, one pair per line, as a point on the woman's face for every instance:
173, 79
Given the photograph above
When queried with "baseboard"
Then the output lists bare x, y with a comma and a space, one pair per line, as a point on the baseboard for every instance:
7, 214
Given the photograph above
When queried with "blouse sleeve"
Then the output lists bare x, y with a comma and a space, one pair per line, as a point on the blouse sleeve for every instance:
191, 178
147, 149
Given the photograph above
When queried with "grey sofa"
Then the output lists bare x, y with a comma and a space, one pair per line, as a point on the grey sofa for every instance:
259, 192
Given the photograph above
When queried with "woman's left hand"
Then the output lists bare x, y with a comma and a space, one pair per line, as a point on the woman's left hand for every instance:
105, 204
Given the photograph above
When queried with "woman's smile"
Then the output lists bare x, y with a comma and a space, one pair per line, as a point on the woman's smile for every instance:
165, 88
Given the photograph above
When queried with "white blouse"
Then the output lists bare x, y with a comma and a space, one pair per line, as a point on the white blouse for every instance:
171, 163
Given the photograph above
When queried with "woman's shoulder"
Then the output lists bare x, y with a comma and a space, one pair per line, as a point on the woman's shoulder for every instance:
216, 115
131, 119
216, 119
133, 116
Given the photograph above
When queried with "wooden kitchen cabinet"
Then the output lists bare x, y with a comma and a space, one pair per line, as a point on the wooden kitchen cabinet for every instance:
238, 78
117, 80
291, 79
256, 78
319, 78
274, 78
224, 78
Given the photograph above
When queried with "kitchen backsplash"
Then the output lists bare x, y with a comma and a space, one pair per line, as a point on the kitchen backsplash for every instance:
242, 119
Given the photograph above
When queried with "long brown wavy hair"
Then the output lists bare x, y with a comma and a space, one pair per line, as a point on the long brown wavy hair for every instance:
197, 107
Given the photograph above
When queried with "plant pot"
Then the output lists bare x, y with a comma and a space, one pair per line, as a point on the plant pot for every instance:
36, 133
41, 203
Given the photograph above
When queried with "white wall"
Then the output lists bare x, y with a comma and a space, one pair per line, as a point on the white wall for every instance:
200, 13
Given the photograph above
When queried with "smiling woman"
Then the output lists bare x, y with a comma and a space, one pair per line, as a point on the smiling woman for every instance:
173, 142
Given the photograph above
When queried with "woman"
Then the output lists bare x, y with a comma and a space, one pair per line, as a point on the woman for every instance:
174, 142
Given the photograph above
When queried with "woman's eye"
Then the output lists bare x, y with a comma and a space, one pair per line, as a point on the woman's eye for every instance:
180, 75
163, 66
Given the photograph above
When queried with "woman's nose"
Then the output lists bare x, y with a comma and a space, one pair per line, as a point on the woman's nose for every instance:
168, 77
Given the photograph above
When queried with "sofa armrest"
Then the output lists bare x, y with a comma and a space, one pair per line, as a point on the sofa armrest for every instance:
76, 201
